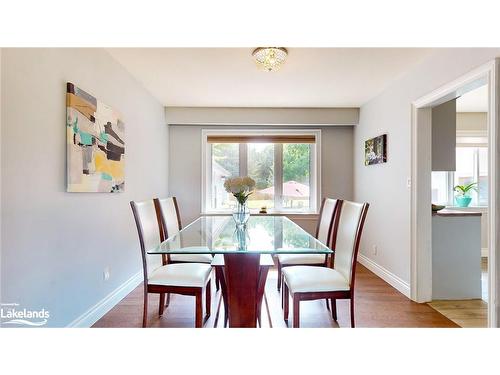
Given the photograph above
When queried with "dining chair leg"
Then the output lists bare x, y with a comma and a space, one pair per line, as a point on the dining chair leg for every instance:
279, 276
161, 305
259, 314
219, 272
168, 300
199, 310
327, 304
296, 311
145, 310
352, 311
217, 312
285, 302
208, 300
217, 281
282, 299
216, 322
268, 311
334, 309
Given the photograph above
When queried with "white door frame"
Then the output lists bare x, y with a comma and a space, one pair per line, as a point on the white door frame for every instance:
420, 218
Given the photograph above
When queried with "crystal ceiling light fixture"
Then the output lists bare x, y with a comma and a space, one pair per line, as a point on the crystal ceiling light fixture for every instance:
270, 58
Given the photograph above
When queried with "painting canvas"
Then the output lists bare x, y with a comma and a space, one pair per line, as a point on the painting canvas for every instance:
376, 150
95, 144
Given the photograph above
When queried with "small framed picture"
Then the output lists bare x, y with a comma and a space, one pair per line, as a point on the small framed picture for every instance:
376, 150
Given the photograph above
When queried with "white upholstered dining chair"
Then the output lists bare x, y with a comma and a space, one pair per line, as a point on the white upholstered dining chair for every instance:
182, 278
169, 219
323, 234
336, 281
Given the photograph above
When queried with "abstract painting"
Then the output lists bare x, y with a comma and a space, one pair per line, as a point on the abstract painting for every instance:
376, 150
95, 144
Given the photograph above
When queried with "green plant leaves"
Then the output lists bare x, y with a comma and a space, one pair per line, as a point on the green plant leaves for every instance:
465, 189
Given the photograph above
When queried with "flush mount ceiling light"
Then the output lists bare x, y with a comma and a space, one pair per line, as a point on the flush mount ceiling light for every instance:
270, 58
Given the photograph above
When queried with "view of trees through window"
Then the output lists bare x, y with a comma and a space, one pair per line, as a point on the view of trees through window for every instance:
296, 172
260, 165
227, 156
260, 162
225, 163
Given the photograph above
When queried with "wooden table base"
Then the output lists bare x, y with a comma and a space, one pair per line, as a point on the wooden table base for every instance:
243, 288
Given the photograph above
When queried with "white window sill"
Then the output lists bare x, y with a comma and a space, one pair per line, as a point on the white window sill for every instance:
302, 215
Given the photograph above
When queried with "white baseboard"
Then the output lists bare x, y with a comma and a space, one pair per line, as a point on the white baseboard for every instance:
96, 312
484, 252
385, 275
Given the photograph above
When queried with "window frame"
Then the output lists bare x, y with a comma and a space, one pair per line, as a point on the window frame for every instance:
315, 167
471, 139
475, 176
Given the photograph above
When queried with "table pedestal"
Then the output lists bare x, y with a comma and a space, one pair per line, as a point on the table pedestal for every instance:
244, 280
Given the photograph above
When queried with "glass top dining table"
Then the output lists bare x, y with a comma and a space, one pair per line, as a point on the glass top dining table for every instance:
239, 256
261, 235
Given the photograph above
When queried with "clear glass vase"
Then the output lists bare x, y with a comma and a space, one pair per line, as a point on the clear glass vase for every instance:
241, 214
241, 237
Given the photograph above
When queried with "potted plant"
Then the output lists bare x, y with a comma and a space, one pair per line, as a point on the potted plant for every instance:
463, 197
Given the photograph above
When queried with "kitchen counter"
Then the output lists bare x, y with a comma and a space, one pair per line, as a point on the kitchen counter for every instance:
455, 213
456, 255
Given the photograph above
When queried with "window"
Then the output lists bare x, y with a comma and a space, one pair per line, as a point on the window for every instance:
260, 160
284, 165
482, 176
440, 188
464, 173
296, 176
225, 163
472, 166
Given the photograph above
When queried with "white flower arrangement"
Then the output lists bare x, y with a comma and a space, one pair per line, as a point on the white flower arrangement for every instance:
240, 187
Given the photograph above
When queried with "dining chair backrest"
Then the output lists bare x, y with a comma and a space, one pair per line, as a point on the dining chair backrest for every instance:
350, 224
326, 220
149, 234
169, 216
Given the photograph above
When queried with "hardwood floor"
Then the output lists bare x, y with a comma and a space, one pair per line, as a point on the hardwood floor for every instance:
468, 313
377, 305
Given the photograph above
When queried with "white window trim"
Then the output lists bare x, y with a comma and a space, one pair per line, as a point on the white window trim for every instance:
315, 181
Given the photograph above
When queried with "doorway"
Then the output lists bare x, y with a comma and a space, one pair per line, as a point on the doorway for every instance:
460, 209
421, 183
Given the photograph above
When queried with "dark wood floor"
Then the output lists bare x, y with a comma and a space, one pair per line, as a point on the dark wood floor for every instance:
377, 303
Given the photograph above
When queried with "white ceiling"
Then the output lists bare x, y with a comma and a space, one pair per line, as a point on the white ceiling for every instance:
474, 101
228, 77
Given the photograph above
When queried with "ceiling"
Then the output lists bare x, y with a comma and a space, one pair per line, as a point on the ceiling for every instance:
228, 77
474, 101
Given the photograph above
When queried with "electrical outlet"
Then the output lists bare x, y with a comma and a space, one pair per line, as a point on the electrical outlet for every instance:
374, 249
106, 274
408, 182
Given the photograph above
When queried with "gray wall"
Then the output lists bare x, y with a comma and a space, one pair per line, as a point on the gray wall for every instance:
185, 168
55, 245
384, 186
261, 116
